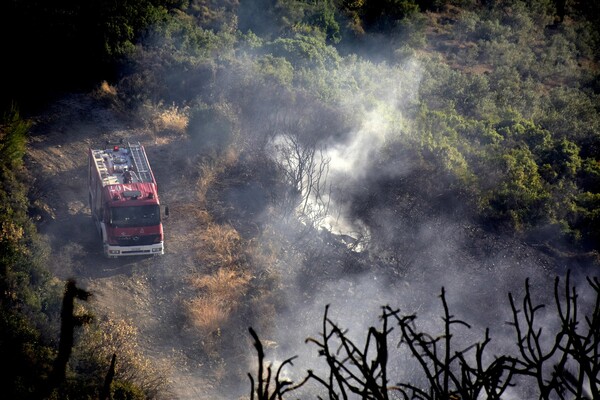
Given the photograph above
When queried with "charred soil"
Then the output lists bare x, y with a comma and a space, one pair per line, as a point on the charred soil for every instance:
192, 306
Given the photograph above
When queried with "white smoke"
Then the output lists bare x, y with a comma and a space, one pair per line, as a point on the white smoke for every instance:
377, 99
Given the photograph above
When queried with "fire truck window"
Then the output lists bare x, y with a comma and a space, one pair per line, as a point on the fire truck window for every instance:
135, 216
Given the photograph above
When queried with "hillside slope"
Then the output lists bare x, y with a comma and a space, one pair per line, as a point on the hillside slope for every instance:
477, 268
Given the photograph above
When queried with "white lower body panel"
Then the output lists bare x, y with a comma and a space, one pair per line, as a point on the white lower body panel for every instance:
113, 251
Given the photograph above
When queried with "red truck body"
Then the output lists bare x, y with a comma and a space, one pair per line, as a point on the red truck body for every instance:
124, 203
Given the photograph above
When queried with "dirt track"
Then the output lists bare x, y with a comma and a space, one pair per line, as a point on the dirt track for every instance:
141, 290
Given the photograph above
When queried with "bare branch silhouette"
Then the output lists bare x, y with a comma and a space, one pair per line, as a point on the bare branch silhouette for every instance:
570, 349
567, 368
260, 386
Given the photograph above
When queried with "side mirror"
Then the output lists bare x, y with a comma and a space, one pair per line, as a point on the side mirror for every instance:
166, 211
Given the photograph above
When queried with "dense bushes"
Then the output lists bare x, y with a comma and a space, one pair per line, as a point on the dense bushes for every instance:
29, 302
68, 45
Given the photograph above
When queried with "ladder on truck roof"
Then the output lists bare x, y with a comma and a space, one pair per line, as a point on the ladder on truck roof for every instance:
140, 162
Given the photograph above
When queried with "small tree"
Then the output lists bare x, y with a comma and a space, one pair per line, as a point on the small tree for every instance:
305, 168
261, 385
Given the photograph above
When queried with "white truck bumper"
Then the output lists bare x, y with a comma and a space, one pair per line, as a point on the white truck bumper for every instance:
113, 251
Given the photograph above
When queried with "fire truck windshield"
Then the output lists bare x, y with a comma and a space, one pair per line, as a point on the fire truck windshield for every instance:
135, 216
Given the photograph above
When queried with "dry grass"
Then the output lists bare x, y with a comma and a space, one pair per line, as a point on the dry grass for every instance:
171, 119
210, 172
226, 284
189, 212
106, 90
263, 254
224, 262
116, 336
221, 295
230, 156
164, 124
208, 176
221, 239
208, 314
108, 95
220, 246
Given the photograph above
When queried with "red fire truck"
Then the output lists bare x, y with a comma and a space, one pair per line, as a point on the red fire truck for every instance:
124, 202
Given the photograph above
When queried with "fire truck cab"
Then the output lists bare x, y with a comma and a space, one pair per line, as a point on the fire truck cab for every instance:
124, 202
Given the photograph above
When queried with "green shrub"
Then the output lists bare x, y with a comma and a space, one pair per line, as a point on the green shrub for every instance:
13, 139
411, 31
587, 218
520, 197
304, 51
277, 70
29, 299
466, 25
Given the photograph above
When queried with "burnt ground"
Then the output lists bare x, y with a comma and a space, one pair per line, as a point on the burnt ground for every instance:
477, 267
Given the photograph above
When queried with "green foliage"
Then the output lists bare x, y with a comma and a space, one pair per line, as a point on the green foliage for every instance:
29, 300
501, 108
508, 100
560, 58
586, 219
517, 130
444, 87
589, 175
520, 196
304, 51
502, 52
278, 70
564, 159
585, 36
123, 22
282, 18
182, 37
466, 26
573, 114
211, 14
412, 31
443, 143
179, 62
323, 17
13, 139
